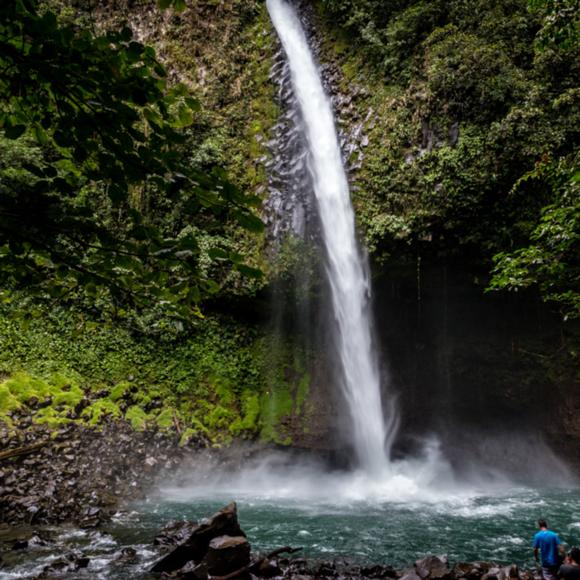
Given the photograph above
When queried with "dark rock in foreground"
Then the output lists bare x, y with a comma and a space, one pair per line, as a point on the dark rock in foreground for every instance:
226, 554
67, 564
175, 533
433, 567
194, 548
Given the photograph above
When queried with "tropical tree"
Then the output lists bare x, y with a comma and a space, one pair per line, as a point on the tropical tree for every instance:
90, 125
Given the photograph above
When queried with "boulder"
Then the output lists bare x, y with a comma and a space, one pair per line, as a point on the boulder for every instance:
510, 572
410, 575
268, 569
378, 571
433, 567
343, 567
323, 569
483, 567
127, 554
192, 571
72, 562
227, 554
174, 533
466, 570
297, 567
493, 573
20, 544
91, 517
195, 547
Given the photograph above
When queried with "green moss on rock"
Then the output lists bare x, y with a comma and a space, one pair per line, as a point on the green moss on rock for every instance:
165, 419
137, 417
120, 390
95, 413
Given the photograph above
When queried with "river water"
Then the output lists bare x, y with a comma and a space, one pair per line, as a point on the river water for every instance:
466, 526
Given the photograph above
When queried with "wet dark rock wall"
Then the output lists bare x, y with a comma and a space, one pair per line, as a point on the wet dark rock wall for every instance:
491, 376
474, 367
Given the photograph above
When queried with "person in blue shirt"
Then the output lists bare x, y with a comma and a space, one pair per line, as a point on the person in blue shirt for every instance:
548, 546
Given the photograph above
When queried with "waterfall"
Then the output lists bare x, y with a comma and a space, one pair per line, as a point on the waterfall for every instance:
346, 266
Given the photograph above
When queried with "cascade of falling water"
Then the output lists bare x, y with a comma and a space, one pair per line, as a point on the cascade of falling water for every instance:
346, 266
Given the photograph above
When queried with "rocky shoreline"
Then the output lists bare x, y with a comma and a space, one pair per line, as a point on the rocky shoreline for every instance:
80, 474
219, 549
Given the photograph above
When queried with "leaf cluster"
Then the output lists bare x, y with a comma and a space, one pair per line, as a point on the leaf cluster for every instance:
467, 98
551, 259
110, 131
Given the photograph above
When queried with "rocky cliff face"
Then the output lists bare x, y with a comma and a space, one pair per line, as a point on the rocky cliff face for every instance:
491, 375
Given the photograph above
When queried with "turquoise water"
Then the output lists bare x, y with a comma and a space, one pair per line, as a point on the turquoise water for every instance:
496, 526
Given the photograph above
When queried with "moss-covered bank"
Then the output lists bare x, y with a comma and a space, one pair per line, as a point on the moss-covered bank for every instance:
214, 383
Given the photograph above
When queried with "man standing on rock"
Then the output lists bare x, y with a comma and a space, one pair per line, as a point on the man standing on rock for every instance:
548, 545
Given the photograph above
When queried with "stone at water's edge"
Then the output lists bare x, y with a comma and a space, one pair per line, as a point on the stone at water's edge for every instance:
70, 563
195, 547
437, 568
506, 573
432, 567
226, 554
410, 575
268, 569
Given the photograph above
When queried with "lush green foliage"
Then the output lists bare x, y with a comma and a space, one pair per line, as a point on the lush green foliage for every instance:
552, 259
215, 381
197, 378
560, 22
465, 99
100, 138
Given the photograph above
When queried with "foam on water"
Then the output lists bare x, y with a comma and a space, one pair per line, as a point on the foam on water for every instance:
466, 522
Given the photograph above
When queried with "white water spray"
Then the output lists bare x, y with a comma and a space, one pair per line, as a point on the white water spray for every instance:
347, 270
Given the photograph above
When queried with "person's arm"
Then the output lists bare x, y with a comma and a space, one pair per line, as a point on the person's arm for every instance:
536, 546
561, 548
